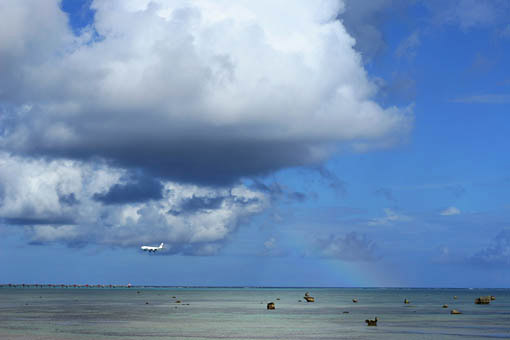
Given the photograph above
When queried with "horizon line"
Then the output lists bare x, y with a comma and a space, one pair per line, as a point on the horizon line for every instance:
106, 286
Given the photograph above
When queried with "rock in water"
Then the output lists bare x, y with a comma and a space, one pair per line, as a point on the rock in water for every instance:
454, 311
371, 322
307, 294
270, 305
354, 300
309, 299
445, 306
493, 298
483, 300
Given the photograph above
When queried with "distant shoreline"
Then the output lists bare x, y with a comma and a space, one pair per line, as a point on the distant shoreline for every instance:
108, 286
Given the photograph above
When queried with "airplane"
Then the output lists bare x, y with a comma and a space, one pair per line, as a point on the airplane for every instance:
152, 249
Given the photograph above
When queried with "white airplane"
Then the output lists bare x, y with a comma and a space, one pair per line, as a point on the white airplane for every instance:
152, 249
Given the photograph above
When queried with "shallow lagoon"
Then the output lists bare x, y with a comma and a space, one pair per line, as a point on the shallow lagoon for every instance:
240, 313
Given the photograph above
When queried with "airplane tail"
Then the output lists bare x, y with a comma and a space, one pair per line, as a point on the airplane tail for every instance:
161, 245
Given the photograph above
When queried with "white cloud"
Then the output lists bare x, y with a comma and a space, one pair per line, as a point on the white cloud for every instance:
56, 202
390, 218
189, 88
270, 243
272, 248
450, 211
139, 129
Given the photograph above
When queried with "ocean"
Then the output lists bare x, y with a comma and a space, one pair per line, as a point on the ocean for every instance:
241, 313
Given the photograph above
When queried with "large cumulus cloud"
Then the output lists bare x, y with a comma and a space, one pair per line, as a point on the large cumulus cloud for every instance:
196, 91
139, 127
58, 201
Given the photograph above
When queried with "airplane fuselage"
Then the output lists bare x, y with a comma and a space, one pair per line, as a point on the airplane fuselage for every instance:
152, 249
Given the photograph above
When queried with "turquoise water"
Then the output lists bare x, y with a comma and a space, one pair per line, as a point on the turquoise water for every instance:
240, 313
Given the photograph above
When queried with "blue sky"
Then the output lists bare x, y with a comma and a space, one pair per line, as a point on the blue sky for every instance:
385, 166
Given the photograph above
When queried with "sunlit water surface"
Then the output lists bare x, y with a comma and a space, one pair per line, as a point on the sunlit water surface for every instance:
240, 313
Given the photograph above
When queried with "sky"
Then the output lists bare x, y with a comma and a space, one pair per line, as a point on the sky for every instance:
335, 143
